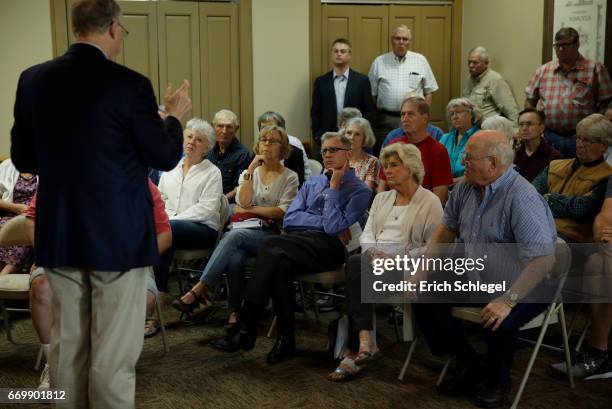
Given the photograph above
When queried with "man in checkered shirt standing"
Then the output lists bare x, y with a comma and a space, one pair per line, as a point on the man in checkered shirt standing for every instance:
567, 90
393, 75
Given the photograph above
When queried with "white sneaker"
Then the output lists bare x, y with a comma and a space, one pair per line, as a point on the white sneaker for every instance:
44, 382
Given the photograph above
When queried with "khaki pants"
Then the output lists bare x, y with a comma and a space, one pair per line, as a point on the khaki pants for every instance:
97, 335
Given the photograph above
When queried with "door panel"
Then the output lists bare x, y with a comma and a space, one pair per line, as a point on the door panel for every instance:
219, 58
372, 36
179, 53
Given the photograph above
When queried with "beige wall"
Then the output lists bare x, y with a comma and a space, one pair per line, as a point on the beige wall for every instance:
511, 31
25, 39
280, 62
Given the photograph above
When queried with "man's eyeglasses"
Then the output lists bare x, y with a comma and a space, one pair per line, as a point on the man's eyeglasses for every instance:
563, 45
125, 32
584, 140
466, 157
332, 150
269, 142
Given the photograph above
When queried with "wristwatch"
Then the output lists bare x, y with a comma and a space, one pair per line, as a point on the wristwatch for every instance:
248, 176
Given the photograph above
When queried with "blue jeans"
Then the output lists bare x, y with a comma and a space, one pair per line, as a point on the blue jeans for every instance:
229, 257
564, 144
186, 235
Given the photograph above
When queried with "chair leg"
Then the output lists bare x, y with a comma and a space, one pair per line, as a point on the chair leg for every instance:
272, 326
162, 324
582, 336
568, 359
395, 326
301, 286
408, 358
315, 307
7, 326
552, 309
444, 371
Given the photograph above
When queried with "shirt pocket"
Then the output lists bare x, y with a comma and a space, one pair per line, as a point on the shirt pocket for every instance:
580, 93
414, 81
480, 96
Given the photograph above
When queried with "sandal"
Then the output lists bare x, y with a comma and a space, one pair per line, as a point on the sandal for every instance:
367, 357
152, 327
346, 371
185, 308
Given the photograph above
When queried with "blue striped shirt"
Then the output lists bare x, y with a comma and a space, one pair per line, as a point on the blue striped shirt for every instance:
511, 211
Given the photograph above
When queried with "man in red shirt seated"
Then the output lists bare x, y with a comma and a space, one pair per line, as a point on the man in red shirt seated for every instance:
415, 117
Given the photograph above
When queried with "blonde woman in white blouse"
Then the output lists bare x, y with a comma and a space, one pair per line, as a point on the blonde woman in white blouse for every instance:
192, 195
403, 217
265, 190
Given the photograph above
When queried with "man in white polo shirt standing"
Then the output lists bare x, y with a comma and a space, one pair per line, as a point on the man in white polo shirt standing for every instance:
394, 74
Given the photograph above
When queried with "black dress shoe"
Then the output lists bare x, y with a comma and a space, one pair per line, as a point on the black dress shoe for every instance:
235, 340
491, 395
283, 347
466, 377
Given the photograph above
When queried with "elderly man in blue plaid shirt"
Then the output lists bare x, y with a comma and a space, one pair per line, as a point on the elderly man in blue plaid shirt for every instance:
493, 206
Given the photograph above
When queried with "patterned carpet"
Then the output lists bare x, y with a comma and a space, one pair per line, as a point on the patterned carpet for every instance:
193, 375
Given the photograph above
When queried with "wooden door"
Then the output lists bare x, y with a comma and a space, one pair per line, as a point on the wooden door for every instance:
219, 58
365, 27
179, 51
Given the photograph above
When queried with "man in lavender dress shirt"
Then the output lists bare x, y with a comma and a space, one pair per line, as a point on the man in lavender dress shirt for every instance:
317, 223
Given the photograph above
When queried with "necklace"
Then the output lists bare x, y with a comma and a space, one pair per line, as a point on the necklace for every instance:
397, 211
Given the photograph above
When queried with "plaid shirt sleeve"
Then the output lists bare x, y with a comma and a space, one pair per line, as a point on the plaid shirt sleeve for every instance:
605, 84
532, 91
580, 208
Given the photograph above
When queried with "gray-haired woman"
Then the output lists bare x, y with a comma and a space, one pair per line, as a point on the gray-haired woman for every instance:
359, 132
403, 217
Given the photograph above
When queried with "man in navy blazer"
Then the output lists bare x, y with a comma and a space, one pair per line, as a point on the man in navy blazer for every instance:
339, 88
90, 129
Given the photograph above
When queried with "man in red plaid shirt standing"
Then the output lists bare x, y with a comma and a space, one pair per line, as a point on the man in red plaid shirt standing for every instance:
567, 90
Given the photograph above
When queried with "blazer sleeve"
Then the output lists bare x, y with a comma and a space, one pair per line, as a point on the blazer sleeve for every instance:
369, 109
159, 142
23, 153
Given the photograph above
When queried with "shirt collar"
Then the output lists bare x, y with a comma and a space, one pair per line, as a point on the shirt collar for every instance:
578, 65
344, 74
400, 59
94, 45
481, 75
501, 181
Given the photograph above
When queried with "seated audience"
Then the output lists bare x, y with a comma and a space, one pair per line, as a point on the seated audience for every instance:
594, 361
438, 177
297, 160
228, 154
407, 215
464, 119
493, 205
318, 227
265, 191
575, 188
359, 132
534, 153
41, 294
17, 190
191, 193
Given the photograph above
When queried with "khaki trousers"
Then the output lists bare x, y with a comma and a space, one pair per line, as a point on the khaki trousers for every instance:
97, 335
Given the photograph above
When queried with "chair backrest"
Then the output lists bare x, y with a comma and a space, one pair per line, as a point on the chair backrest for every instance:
224, 214
315, 167
14, 232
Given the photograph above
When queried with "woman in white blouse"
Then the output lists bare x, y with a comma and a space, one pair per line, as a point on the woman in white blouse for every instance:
265, 191
403, 217
192, 196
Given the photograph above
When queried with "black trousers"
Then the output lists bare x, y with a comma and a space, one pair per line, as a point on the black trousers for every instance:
444, 335
279, 259
360, 314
